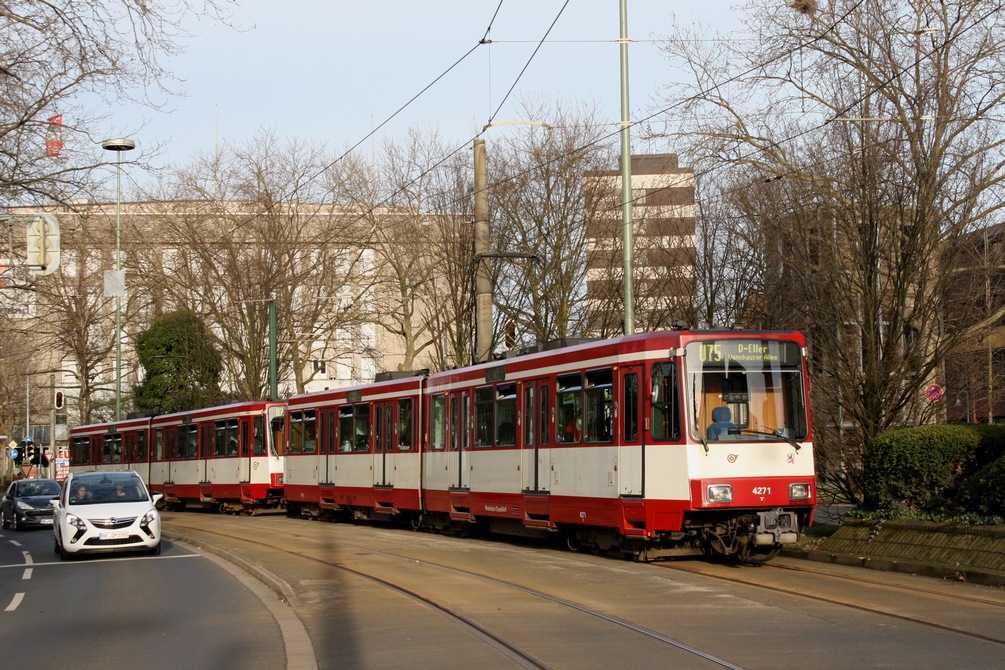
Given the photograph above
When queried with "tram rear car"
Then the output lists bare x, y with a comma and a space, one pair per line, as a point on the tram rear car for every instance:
223, 457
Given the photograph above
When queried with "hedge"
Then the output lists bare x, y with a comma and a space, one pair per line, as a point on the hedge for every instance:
918, 467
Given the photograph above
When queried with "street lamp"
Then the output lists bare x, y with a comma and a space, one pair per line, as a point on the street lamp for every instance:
118, 145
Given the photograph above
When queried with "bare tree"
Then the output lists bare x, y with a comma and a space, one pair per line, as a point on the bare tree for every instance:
542, 205
62, 60
877, 118
253, 225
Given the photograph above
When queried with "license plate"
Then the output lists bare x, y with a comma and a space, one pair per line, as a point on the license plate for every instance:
45, 522
114, 535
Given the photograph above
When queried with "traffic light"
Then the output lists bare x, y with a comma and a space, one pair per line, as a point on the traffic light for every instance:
42, 240
32, 453
57, 400
18, 456
509, 337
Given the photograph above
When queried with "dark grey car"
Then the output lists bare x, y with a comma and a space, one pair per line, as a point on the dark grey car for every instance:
26, 503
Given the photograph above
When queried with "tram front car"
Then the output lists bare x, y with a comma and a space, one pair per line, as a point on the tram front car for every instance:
751, 469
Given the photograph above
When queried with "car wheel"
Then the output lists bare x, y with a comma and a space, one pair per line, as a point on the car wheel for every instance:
55, 546
14, 525
155, 550
5, 523
64, 555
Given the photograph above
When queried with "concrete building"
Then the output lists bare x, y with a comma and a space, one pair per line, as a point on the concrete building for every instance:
664, 250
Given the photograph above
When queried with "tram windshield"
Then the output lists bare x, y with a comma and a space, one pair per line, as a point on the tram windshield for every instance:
745, 390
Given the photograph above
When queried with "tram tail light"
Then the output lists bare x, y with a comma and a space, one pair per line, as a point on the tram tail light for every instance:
719, 493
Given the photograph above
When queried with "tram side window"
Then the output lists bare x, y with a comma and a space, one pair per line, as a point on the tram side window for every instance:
405, 424
599, 405
528, 415
141, 446
296, 432
278, 445
220, 439
361, 421
170, 444
630, 408
325, 432
345, 428
438, 438
484, 409
111, 451
79, 455
665, 400
455, 422
310, 431
506, 415
545, 431
569, 408
158, 450
188, 441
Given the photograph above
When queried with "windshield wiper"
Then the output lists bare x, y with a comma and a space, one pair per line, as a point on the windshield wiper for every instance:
778, 432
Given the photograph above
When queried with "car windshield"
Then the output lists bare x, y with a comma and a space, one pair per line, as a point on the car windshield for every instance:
106, 489
40, 488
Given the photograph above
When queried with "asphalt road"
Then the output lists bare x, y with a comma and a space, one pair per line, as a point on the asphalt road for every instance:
177, 610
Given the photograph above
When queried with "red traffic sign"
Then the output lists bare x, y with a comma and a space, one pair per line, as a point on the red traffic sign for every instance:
934, 393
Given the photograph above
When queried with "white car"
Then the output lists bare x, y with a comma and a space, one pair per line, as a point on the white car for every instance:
104, 512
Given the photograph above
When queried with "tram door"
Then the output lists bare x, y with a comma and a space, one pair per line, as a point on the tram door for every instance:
459, 461
244, 460
326, 445
535, 459
383, 444
631, 450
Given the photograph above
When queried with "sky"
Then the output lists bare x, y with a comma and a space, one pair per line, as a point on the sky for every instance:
332, 71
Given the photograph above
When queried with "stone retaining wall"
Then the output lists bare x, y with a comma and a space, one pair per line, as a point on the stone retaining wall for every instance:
965, 553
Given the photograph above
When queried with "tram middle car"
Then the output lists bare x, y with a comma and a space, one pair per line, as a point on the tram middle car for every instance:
226, 457
651, 445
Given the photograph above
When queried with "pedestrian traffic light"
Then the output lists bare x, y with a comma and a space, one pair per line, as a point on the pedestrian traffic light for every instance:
57, 400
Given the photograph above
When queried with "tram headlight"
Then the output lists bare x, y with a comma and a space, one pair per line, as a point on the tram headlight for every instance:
799, 491
719, 493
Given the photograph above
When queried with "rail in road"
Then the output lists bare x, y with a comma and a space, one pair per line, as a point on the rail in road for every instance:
373, 595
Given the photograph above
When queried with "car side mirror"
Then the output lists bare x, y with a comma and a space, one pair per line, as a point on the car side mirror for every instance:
54, 503
158, 497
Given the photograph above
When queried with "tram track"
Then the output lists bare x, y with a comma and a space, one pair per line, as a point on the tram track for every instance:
837, 588
514, 651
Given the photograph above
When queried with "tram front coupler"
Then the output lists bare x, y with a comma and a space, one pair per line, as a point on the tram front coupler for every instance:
776, 527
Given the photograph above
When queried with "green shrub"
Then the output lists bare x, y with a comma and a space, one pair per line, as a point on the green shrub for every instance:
992, 446
984, 491
917, 467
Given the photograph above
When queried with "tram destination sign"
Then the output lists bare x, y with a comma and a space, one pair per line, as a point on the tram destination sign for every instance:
747, 353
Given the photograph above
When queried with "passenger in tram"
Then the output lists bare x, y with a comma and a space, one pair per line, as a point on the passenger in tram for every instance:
573, 430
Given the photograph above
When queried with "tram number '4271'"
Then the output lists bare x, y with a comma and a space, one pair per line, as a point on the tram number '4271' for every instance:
762, 490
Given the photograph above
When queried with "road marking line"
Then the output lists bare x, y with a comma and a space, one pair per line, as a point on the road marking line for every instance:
18, 597
15, 543
27, 574
27, 557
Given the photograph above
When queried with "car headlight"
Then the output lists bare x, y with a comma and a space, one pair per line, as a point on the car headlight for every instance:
148, 518
76, 522
24, 506
719, 493
800, 491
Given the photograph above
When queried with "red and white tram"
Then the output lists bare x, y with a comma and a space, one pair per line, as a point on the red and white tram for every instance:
651, 445
356, 449
227, 456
